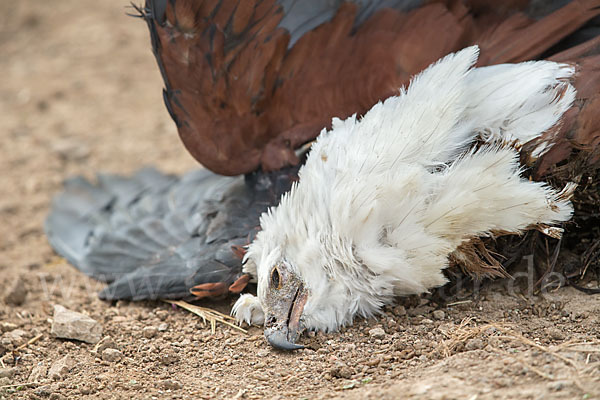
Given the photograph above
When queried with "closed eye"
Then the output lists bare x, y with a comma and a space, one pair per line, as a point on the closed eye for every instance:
275, 278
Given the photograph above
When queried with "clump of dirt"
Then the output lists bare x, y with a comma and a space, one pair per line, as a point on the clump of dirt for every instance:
81, 93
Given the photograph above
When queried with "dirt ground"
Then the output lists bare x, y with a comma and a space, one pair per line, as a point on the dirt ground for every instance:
79, 93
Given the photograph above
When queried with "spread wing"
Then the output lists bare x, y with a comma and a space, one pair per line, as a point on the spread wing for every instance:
247, 82
157, 236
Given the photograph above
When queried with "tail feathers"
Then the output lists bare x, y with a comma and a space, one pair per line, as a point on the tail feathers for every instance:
483, 193
518, 101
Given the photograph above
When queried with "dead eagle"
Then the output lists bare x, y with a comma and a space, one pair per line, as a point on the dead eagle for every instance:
382, 201
386, 199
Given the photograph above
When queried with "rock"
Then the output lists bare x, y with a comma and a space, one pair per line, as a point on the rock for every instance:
439, 314
168, 384
341, 371
162, 314
262, 353
7, 372
71, 150
73, 325
400, 310
377, 333
163, 327
38, 373
17, 337
17, 293
474, 344
106, 343
61, 368
43, 391
149, 332
7, 326
112, 355
168, 359
555, 333
4, 381
420, 310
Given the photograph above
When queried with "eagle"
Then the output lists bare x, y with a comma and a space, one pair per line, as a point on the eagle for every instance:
402, 181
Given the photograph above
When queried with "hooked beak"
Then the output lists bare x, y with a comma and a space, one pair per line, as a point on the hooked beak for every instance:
283, 326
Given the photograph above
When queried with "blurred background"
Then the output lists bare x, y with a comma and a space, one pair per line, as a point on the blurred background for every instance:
79, 92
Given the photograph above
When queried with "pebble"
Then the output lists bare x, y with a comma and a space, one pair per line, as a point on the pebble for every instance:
38, 373
341, 371
106, 343
163, 327
7, 372
474, 344
426, 321
555, 333
377, 333
61, 368
400, 310
168, 384
439, 314
7, 326
112, 355
168, 359
262, 353
162, 314
149, 332
17, 336
73, 325
17, 293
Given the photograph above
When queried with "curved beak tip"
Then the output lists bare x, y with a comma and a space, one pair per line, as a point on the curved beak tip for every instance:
279, 340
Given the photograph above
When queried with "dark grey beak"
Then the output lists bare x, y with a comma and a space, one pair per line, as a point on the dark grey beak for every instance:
283, 330
279, 339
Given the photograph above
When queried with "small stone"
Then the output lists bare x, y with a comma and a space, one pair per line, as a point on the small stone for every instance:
106, 343
426, 321
439, 314
163, 327
555, 333
474, 344
17, 336
7, 326
7, 372
149, 332
341, 371
400, 310
168, 359
162, 314
112, 355
262, 353
168, 384
16, 293
38, 373
43, 391
377, 333
61, 368
558, 385
73, 325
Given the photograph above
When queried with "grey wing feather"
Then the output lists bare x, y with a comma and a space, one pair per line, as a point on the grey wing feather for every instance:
153, 235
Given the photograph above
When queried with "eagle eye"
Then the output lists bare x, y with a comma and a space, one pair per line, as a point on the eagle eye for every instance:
275, 278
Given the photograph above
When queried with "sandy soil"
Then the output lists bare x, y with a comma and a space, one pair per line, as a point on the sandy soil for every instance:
79, 93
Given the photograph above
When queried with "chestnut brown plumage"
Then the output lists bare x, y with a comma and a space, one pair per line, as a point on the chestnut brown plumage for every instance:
242, 97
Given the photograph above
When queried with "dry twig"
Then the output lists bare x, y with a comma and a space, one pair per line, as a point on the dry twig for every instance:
207, 314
